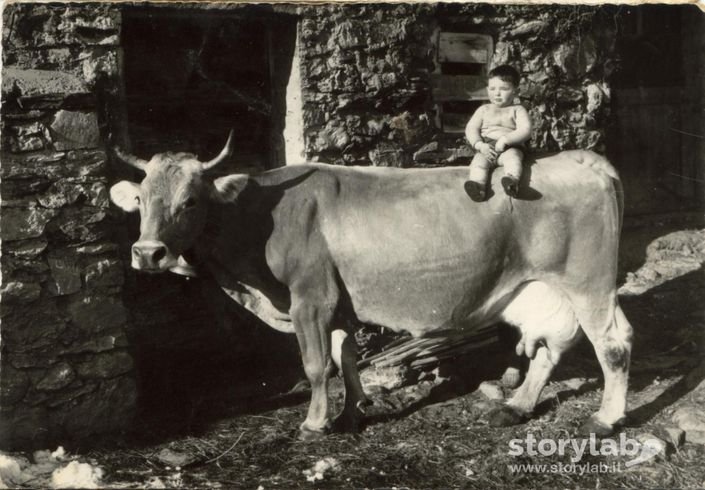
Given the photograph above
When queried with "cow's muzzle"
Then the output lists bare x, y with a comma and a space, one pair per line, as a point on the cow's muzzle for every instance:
150, 256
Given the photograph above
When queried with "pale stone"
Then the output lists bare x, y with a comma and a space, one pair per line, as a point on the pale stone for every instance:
58, 377
33, 83
19, 292
75, 129
23, 223
491, 390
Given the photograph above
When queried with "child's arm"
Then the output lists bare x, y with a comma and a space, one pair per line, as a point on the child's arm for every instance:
472, 133
522, 132
472, 130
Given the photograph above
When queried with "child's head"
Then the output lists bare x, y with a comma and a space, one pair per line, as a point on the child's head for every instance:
502, 85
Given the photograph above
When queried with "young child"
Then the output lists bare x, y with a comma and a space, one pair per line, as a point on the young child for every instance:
497, 131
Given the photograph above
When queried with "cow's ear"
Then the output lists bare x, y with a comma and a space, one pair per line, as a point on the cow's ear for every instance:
228, 188
126, 195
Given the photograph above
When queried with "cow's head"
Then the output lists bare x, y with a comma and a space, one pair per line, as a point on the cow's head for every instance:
173, 203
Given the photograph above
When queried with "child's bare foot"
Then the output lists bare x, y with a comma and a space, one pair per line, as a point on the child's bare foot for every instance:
475, 190
511, 185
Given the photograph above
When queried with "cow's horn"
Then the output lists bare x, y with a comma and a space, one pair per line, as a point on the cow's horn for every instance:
131, 159
224, 154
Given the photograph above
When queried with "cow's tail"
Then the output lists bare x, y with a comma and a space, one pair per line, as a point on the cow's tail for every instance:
602, 166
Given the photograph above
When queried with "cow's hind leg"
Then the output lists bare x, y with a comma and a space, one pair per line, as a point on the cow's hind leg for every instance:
545, 352
546, 333
613, 345
312, 321
344, 352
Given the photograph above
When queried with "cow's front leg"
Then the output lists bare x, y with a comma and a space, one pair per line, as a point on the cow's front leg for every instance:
311, 321
344, 352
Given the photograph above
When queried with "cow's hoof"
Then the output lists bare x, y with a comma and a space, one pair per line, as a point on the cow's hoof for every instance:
593, 426
511, 378
350, 419
505, 416
346, 424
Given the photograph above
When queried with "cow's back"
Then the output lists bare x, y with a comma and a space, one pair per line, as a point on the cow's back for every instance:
415, 253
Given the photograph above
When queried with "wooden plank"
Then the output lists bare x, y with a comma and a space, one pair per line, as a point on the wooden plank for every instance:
463, 47
454, 122
457, 87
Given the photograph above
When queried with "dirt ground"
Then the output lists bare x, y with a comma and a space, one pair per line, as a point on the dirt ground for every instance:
432, 434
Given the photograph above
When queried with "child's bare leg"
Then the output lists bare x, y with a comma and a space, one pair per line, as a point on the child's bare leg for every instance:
511, 160
479, 174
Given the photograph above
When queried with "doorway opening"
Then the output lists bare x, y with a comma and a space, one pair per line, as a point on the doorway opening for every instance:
657, 107
191, 75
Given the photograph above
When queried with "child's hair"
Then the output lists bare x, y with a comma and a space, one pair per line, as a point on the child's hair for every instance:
505, 73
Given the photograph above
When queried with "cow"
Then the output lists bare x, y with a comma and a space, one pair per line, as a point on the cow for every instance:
308, 246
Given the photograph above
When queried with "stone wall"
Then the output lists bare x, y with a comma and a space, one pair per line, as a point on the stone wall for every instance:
78, 327
86, 342
65, 368
366, 77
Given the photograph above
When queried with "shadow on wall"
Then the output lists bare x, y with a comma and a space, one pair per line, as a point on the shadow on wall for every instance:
188, 379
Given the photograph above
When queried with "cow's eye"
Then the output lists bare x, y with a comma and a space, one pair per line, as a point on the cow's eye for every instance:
190, 202
137, 200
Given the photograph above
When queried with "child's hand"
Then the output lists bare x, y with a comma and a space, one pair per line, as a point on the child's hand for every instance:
487, 151
501, 144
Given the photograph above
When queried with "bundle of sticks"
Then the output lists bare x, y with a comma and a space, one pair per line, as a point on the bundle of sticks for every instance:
420, 353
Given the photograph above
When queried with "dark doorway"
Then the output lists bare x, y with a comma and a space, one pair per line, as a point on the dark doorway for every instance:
190, 75
193, 74
653, 100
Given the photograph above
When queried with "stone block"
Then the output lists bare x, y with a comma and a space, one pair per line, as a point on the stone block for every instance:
530, 28
389, 378
31, 327
13, 385
24, 427
346, 35
60, 194
596, 95
68, 191
388, 155
39, 83
65, 274
59, 59
73, 130
77, 389
98, 344
97, 248
109, 408
49, 25
491, 390
82, 225
93, 314
106, 365
690, 418
331, 138
25, 249
21, 223
59, 376
430, 153
19, 292
29, 269
107, 272
25, 137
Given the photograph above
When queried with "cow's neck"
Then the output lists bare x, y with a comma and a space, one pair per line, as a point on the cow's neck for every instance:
232, 249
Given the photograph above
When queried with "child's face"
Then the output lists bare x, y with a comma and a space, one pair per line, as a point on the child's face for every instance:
501, 93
